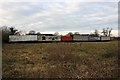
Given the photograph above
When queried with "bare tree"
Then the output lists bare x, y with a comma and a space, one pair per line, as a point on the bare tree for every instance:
18, 33
104, 32
96, 32
107, 32
32, 32
70, 33
76, 33
13, 30
5, 33
56, 33
38, 33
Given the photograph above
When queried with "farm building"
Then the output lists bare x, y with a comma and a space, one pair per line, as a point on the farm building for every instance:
17, 38
91, 38
66, 38
51, 37
103, 38
78, 37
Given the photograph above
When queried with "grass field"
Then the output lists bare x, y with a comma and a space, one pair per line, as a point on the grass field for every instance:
60, 60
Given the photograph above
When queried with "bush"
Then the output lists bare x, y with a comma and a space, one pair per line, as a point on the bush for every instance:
5, 34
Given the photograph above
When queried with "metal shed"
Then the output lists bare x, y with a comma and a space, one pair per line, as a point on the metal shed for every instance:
91, 38
17, 38
105, 38
66, 38
80, 38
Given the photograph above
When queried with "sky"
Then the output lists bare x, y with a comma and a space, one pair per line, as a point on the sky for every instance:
63, 16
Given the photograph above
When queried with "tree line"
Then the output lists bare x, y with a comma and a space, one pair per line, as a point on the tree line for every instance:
5, 31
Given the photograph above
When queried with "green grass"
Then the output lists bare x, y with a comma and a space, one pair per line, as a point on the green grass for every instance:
63, 60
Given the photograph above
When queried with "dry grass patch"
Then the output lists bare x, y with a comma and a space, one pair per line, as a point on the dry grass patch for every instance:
60, 60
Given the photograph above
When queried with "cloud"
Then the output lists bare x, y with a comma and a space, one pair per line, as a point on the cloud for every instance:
57, 0
62, 16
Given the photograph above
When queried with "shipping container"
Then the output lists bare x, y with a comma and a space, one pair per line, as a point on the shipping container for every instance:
17, 38
66, 38
105, 38
80, 38
91, 38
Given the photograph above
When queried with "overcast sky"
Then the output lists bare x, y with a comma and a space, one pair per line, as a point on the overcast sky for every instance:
60, 16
